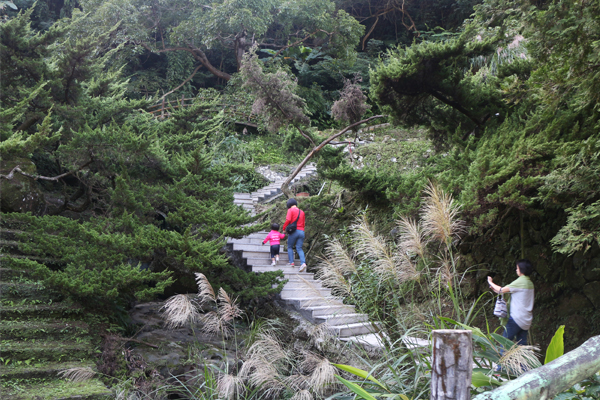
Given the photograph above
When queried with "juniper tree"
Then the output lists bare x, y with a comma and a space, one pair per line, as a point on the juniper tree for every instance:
131, 202
513, 98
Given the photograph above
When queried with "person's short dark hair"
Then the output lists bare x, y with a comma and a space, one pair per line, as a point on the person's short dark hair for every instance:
525, 266
291, 202
274, 226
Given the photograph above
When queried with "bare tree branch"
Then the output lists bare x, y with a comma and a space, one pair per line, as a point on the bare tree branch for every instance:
369, 33
184, 82
198, 54
285, 187
46, 178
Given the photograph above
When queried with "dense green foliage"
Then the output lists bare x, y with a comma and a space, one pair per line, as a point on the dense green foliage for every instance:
513, 100
142, 199
107, 202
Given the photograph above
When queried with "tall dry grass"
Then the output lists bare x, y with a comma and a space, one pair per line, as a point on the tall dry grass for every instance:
179, 310
441, 216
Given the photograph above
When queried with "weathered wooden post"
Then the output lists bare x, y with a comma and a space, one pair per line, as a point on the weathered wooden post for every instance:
452, 365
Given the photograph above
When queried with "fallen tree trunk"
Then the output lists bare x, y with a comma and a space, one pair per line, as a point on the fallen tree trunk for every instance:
545, 382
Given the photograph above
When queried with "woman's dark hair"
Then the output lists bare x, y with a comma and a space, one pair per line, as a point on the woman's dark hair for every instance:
291, 202
274, 226
525, 266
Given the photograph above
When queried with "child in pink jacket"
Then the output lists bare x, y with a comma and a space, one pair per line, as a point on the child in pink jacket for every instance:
274, 237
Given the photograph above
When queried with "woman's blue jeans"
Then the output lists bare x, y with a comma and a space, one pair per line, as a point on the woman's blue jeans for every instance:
296, 239
514, 332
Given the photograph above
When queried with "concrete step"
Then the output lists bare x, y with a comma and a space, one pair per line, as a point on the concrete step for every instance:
8, 274
257, 240
266, 261
264, 258
9, 243
242, 195
285, 270
293, 275
257, 248
43, 329
342, 319
262, 255
246, 200
320, 310
296, 293
361, 328
23, 312
49, 350
47, 370
52, 388
16, 291
10, 234
307, 302
303, 284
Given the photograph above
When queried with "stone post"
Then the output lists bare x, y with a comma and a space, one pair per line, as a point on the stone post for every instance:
452, 365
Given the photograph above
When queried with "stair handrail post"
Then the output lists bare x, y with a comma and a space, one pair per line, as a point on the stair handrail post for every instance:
452, 364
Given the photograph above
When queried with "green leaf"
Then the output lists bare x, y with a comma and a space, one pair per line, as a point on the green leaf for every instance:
358, 372
479, 379
356, 389
557, 345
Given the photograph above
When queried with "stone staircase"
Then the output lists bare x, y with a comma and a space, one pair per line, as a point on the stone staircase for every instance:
302, 292
41, 335
269, 192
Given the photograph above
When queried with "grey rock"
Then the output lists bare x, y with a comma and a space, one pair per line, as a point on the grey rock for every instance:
592, 292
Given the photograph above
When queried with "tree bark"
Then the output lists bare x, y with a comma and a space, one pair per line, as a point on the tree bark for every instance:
545, 382
198, 54
452, 365
285, 187
46, 178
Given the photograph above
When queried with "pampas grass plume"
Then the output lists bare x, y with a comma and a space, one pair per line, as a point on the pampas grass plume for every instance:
228, 308
79, 374
205, 290
411, 238
302, 395
178, 311
230, 387
440, 216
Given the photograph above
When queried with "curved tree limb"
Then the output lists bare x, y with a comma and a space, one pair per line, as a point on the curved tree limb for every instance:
198, 54
364, 42
46, 178
297, 42
285, 187
183, 83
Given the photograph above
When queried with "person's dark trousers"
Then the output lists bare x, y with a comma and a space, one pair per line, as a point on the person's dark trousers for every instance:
514, 332
274, 250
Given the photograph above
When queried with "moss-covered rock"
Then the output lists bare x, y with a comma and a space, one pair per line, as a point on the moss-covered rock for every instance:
577, 302
592, 292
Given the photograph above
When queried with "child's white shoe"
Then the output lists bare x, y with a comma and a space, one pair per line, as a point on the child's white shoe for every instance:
273, 263
302, 268
277, 258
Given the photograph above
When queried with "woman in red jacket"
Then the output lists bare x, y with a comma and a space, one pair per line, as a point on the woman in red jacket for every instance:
297, 237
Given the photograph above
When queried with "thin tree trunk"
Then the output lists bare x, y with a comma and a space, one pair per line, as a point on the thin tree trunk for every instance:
285, 187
